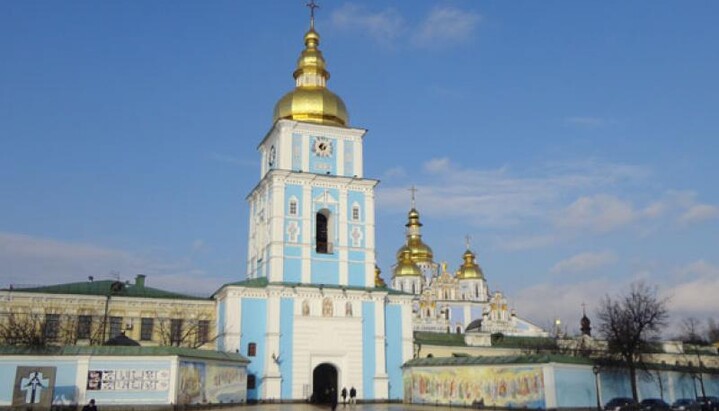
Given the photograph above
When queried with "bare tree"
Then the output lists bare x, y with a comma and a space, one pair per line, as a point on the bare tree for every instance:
630, 323
712, 331
37, 329
180, 332
691, 332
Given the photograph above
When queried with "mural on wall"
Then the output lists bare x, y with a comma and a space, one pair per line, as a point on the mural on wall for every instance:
208, 383
493, 386
128, 380
192, 381
33, 387
225, 384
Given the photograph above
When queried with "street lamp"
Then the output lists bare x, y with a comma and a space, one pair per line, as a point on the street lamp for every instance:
596, 370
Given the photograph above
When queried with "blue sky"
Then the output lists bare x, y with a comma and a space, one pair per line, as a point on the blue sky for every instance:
575, 142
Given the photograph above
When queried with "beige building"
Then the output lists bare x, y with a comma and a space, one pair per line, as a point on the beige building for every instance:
92, 312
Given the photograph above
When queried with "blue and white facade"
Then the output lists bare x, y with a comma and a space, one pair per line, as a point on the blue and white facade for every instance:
310, 301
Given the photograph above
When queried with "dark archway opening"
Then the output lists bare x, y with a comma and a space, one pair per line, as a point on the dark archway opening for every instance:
324, 383
321, 232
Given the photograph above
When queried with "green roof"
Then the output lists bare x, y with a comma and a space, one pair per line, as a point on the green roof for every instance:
429, 338
262, 282
509, 341
499, 360
122, 351
104, 288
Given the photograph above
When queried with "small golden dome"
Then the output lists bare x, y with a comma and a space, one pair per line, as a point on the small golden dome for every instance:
311, 101
405, 267
378, 281
469, 270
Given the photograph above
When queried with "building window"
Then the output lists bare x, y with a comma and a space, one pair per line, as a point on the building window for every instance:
176, 331
355, 213
251, 350
146, 326
459, 330
251, 381
84, 326
52, 326
293, 207
348, 309
203, 331
321, 233
115, 326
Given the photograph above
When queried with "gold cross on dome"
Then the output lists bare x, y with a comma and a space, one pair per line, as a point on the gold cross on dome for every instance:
312, 6
413, 190
467, 240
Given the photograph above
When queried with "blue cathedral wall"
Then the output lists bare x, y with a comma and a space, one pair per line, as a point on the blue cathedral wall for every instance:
575, 387
324, 165
296, 152
253, 329
287, 312
393, 333
368, 348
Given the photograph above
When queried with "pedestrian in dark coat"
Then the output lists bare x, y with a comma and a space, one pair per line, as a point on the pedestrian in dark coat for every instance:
344, 395
353, 395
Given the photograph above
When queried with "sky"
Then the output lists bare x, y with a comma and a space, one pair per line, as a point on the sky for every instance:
574, 142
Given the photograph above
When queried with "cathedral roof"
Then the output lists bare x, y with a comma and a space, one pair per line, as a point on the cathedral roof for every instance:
405, 266
419, 251
311, 101
469, 270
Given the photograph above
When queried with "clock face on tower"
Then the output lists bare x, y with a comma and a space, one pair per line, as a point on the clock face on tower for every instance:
322, 147
272, 157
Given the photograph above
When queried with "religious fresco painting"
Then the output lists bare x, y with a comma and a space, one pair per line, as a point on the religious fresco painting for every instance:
33, 387
128, 380
208, 383
493, 386
192, 381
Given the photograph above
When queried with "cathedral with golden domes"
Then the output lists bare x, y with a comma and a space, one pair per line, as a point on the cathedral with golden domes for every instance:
447, 302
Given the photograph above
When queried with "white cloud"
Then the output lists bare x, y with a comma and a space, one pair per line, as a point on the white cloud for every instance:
445, 25
698, 213
383, 26
584, 262
501, 197
394, 172
599, 213
526, 242
695, 294
29, 260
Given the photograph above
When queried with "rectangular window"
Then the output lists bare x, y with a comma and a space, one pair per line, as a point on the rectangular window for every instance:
203, 331
146, 326
250, 381
355, 214
251, 349
293, 208
84, 327
52, 326
175, 331
115, 326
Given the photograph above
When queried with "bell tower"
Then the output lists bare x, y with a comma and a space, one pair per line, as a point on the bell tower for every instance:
312, 212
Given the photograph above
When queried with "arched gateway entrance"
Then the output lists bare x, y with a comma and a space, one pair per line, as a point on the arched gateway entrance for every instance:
324, 383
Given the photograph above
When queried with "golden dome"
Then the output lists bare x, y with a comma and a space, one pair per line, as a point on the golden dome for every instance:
405, 267
421, 252
311, 101
378, 281
469, 270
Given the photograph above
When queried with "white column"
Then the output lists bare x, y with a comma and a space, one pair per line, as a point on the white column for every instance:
343, 233
276, 215
83, 364
550, 389
370, 257
307, 232
381, 379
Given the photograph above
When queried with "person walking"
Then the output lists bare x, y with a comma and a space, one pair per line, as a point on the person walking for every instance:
353, 396
333, 399
90, 406
344, 396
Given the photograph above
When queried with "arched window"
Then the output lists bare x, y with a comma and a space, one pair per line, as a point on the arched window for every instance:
459, 330
413, 289
348, 309
305, 308
355, 212
292, 208
322, 232
251, 349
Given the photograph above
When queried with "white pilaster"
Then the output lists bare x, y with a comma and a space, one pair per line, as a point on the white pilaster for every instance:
273, 377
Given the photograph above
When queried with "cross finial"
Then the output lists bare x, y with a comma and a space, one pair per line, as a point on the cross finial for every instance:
312, 6
413, 190
584, 309
467, 240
